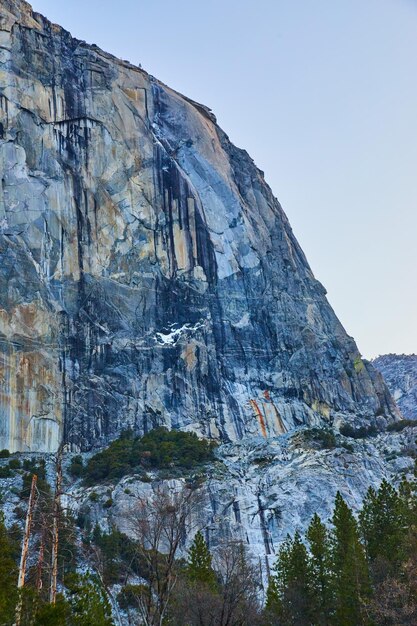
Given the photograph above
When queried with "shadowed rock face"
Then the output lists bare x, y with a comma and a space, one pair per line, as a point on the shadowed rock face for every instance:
147, 274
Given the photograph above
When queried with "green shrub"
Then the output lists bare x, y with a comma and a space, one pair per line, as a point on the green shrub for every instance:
5, 472
76, 467
120, 556
32, 467
127, 597
4, 454
358, 433
35, 466
358, 365
398, 426
322, 437
20, 512
14, 464
158, 449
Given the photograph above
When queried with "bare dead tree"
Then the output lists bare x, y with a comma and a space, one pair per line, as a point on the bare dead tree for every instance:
26, 536
43, 524
195, 604
55, 529
394, 602
239, 582
234, 601
53, 536
25, 547
159, 526
40, 564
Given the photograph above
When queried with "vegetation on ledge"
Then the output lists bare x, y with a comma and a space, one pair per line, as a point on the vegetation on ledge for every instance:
398, 426
320, 438
158, 449
358, 433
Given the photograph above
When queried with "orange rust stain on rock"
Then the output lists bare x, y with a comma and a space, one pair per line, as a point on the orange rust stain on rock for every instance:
272, 412
138, 96
259, 415
280, 423
133, 94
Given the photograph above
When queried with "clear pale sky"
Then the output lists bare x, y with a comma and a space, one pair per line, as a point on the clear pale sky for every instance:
323, 95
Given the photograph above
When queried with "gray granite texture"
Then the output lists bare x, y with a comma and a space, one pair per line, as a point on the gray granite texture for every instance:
148, 276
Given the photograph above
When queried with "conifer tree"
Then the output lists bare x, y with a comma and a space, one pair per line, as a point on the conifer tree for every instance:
8, 575
320, 564
383, 523
290, 590
407, 493
273, 603
350, 570
199, 568
47, 614
89, 603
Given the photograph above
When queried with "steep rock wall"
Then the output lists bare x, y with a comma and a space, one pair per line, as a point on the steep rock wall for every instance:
147, 274
400, 374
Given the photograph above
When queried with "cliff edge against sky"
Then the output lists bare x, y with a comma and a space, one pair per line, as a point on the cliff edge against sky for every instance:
147, 274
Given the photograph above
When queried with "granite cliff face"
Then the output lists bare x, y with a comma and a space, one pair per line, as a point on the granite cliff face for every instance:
265, 488
147, 274
400, 374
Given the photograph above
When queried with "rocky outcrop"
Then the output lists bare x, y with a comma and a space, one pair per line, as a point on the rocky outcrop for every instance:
147, 274
400, 374
262, 489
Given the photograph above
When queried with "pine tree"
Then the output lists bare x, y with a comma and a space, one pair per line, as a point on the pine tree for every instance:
89, 603
291, 587
199, 568
8, 575
47, 614
407, 493
350, 569
320, 564
383, 524
273, 603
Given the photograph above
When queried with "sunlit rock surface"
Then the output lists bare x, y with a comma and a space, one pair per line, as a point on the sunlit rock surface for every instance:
147, 274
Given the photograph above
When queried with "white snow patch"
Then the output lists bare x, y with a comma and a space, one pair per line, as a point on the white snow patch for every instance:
172, 337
